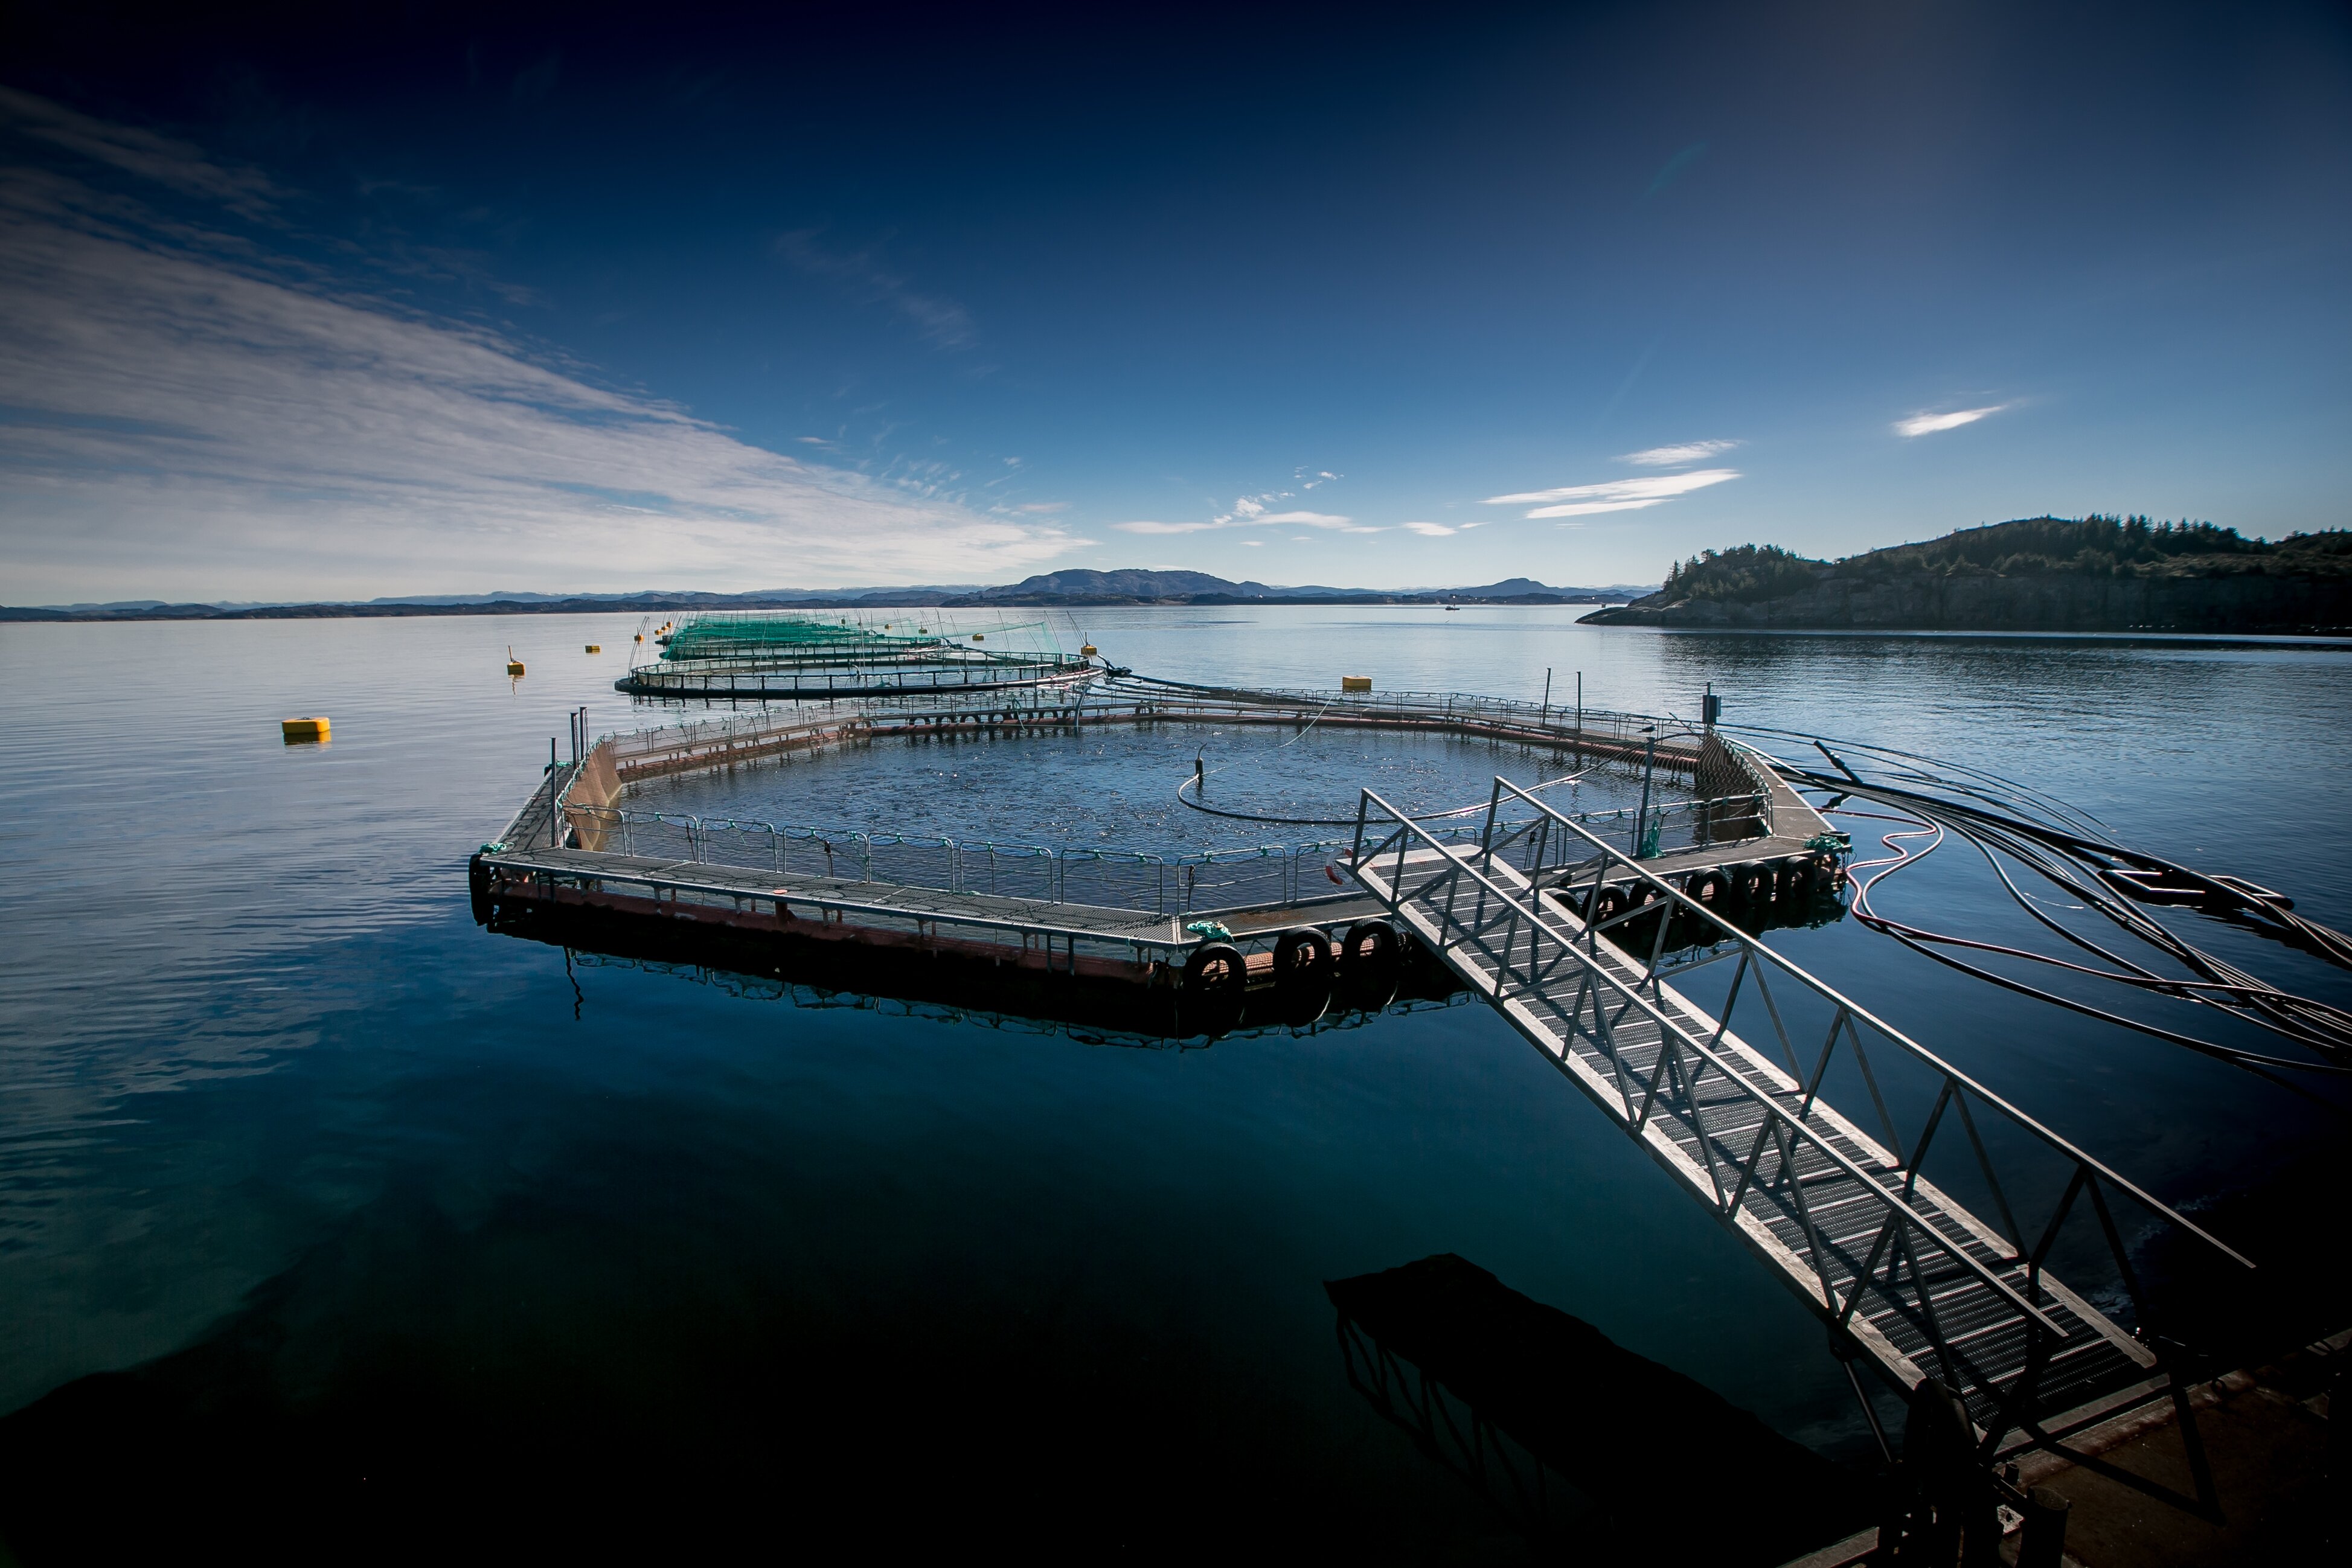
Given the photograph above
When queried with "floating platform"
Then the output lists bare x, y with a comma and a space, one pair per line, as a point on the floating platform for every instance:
578, 863
762, 656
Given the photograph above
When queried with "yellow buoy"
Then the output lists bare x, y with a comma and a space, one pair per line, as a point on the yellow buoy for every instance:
1355, 683
297, 729
641, 636
514, 665
978, 637
1088, 651
595, 647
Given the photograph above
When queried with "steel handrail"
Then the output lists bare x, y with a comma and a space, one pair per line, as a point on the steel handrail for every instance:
1758, 952
1539, 919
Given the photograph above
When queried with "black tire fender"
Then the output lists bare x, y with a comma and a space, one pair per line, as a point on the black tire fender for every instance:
1370, 947
1215, 968
1302, 960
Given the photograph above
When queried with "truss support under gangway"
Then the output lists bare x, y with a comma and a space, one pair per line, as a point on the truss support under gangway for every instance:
1892, 1262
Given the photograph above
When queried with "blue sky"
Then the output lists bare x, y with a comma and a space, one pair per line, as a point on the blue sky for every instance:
595, 301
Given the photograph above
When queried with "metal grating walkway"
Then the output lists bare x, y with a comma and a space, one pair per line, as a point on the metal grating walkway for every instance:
1921, 1285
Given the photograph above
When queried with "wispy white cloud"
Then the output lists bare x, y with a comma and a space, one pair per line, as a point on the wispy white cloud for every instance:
1331, 522
1613, 495
176, 165
1436, 531
1677, 455
938, 318
188, 424
1250, 512
1928, 423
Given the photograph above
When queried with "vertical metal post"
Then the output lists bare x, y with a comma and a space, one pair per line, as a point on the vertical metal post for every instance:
1546, 714
1649, 761
1579, 718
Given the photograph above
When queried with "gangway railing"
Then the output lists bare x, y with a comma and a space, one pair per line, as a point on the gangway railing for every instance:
1882, 1254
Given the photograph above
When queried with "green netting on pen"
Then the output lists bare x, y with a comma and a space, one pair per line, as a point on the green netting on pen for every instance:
787, 639
790, 636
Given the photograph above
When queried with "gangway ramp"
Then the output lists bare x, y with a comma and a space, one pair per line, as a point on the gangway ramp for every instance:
1898, 1269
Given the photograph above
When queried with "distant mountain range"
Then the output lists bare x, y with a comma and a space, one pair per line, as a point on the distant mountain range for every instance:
1049, 589
1140, 587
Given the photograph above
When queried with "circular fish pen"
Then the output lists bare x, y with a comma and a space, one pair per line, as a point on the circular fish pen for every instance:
771, 656
1161, 857
1160, 797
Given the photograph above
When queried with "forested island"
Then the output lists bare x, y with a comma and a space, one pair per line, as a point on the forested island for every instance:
2034, 574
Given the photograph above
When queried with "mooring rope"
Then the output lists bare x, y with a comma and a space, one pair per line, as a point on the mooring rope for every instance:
1997, 817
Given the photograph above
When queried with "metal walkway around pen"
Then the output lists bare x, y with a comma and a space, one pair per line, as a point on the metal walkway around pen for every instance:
1893, 1262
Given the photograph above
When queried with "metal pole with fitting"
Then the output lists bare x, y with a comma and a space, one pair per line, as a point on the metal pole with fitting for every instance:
1649, 761
1546, 714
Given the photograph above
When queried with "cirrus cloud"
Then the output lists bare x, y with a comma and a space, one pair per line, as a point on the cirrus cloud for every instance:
1250, 512
1612, 494
1929, 423
1676, 455
191, 415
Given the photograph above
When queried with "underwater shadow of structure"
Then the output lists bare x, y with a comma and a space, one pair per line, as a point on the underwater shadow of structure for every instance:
1592, 1452
817, 997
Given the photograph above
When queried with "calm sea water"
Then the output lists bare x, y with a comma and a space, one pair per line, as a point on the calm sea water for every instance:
1117, 786
265, 1088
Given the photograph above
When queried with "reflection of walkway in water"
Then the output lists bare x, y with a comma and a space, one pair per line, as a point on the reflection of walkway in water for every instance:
1577, 1440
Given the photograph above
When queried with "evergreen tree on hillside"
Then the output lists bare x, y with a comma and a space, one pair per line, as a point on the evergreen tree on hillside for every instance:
2095, 545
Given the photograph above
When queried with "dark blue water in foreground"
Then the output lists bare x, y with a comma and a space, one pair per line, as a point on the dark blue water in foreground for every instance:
269, 1098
